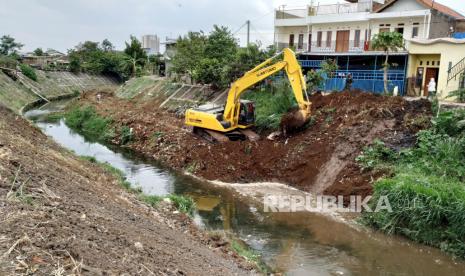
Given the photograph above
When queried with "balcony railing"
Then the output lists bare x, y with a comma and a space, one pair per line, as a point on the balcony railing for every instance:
343, 8
352, 46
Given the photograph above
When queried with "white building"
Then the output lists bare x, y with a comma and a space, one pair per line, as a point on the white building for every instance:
151, 44
343, 32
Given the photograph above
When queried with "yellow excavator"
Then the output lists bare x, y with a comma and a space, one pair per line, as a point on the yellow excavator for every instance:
231, 121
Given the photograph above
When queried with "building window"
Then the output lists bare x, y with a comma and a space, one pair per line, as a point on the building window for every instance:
291, 40
384, 30
300, 43
319, 38
438, 63
357, 38
329, 38
400, 28
415, 30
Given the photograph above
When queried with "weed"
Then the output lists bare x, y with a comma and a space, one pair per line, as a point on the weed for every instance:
249, 254
91, 124
158, 134
248, 149
53, 117
426, 193
375, 155
151, 200
192, 167
91, 159
329, 119
183, 203
126, 135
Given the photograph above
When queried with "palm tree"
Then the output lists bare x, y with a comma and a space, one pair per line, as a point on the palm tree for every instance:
387, 42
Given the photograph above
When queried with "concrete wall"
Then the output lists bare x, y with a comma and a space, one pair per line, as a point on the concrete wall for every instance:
404, 5
408, 26
448, 52
440, 25
282, 36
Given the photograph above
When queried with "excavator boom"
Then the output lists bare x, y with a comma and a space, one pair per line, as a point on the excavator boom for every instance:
228, 119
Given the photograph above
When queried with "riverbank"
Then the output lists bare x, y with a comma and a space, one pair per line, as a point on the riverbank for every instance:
62, 214
50, 85
319, 160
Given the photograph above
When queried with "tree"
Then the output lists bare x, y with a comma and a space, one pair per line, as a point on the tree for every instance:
387, 42
107, 46
221, 44
136, 54
9, 46
38, 52
190, 50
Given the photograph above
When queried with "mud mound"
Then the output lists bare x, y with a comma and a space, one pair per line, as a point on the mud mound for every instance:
320, 158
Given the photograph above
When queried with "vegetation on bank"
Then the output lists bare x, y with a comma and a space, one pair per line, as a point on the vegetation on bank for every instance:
182, 203
426, 188
216, 58
101, 58
241, 249
28, 71
92, 125
271, 103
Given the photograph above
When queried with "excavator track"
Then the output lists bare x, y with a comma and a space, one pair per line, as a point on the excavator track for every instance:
219, 137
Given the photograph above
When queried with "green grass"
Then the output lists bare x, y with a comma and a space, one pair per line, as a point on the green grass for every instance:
183, 203
426, 190
270, 106
126, 135
28, 71
53, 117
250, 255
86, 120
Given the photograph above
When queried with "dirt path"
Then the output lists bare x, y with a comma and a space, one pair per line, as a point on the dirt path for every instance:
319, 159
63, 215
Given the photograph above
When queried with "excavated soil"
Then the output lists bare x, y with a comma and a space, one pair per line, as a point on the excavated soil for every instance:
319, 159
60, 215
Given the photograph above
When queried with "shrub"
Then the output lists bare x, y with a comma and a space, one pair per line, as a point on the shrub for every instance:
91, 124
28, 71
270, 108
450, 122
427, 209
426, 193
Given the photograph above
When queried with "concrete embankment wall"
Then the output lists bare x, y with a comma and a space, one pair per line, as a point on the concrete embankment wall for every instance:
170, 95
51, 85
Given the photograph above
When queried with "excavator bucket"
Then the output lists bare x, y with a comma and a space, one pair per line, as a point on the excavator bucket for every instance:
294, 120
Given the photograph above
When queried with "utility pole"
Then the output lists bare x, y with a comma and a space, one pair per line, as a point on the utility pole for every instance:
248, 32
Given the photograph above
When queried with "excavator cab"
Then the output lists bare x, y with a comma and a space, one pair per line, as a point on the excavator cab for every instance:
247, 113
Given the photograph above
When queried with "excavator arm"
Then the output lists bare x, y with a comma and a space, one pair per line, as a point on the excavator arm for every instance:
261, 72
227, 119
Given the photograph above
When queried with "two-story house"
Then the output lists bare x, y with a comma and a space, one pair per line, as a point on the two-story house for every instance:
343, 33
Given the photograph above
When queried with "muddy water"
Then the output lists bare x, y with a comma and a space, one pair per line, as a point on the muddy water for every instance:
294, 243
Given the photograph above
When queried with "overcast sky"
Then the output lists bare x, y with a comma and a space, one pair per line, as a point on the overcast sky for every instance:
61, 24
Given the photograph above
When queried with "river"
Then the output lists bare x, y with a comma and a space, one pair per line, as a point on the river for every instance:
294, 243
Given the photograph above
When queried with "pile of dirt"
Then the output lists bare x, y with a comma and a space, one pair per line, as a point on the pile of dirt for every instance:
319, 159
60, 215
